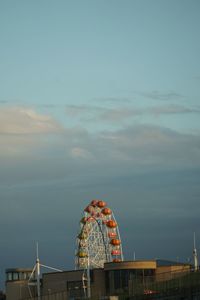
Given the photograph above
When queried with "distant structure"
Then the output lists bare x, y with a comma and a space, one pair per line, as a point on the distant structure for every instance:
195, 257
98, 241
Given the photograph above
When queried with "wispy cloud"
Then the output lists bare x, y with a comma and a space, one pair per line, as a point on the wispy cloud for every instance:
114, 100
123, 113
163, 96
171, 109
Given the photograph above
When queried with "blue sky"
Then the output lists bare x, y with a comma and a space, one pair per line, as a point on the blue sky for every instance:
99, 99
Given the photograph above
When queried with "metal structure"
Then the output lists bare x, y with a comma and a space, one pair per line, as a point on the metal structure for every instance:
195, 257
98, 240
34, 279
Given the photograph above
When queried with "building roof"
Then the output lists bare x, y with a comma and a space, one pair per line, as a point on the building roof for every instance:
163, 263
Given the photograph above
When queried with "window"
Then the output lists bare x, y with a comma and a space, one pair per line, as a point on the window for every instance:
15, 276
24, 275
9, 276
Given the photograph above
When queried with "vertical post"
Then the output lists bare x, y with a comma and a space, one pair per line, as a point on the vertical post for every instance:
196, 267
38, 273
88, 279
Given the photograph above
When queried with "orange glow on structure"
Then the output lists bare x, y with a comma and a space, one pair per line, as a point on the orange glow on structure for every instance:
94, 202
111, 224
106, 211
115, 242
101, 204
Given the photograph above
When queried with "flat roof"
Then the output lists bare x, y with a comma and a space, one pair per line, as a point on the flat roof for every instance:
164, 262
134, 264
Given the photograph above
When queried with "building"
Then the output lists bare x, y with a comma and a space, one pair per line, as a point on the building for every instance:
17, 287
118, 278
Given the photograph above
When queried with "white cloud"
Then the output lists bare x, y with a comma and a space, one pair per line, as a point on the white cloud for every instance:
48, 150
22, 130
21, 120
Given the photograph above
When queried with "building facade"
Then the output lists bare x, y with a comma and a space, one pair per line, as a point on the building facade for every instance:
115, 279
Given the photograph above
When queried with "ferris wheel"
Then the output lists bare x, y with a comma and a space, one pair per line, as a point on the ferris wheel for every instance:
98, 240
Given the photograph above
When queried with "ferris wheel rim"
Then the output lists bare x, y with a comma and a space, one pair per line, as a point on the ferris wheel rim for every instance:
99, 239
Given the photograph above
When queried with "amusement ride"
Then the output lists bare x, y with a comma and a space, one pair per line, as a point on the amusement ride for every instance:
98, 240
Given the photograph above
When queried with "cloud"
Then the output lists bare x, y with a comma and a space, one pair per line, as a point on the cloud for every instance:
115, 115
37, 141
21, 120
151, 146
157, 95
51, 106
114, 100
78, 152
23, 129
106, 153
171, 109
79, 110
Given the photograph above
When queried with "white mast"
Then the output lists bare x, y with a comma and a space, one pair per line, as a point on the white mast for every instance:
195, 257
134, 257
38, 273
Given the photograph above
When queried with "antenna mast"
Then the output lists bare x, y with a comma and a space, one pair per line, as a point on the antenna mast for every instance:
38, 272
195, 257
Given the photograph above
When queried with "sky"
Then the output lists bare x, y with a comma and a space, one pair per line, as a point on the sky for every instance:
99, 100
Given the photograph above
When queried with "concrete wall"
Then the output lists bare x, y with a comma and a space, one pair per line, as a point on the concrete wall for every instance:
17, 290
98, 286
59, 281
170, 272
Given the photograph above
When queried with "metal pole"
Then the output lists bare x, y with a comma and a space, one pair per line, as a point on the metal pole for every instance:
195, 255
88, 280
38, 274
